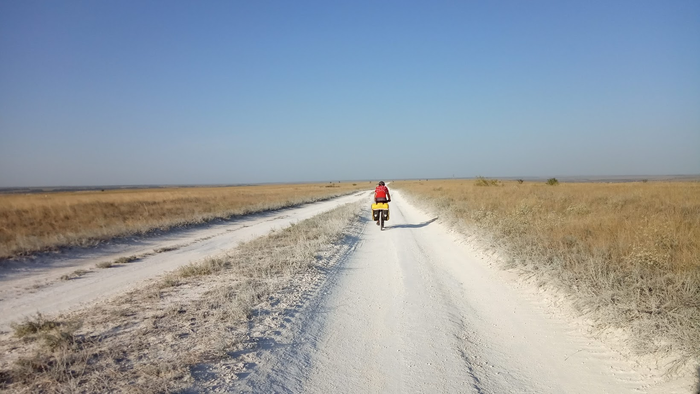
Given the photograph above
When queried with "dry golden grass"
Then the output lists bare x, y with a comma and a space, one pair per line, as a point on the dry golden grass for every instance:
147, 340
629, 253
36, 222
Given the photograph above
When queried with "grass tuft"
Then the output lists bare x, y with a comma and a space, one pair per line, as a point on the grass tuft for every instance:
33, 326
167, 248
126, 259
75, 274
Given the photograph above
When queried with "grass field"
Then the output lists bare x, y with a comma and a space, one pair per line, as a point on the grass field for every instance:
628, 253
37, 222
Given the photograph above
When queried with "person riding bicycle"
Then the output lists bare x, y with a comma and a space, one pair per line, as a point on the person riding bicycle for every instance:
381, 193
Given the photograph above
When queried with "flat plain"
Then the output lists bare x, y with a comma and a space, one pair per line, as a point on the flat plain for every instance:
474, 286
43, 221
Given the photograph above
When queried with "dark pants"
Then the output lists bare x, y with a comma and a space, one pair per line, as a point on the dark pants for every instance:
381, 199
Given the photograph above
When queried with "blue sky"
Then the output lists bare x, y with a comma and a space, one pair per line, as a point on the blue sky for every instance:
184, 92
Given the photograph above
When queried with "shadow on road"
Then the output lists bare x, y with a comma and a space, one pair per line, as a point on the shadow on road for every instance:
412, 225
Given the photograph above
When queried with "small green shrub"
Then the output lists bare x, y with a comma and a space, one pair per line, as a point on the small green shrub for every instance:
552, 181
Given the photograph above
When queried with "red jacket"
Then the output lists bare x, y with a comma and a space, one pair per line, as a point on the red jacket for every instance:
382, 192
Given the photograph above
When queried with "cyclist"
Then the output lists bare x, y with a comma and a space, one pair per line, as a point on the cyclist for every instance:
381, 193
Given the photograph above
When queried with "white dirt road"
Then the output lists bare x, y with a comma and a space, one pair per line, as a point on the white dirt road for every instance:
33, 285
414, 309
